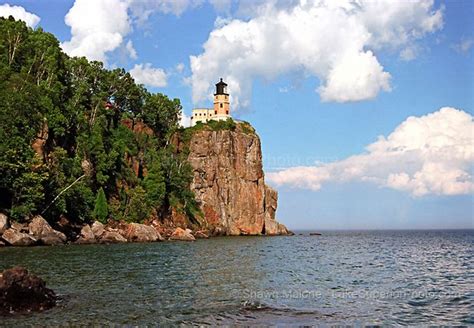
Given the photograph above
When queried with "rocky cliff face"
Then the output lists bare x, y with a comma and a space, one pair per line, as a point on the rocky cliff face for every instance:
229, 182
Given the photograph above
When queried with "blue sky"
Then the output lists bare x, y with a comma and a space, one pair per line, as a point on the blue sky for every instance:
311, 119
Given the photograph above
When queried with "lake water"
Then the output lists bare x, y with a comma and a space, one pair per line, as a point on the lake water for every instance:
376, 277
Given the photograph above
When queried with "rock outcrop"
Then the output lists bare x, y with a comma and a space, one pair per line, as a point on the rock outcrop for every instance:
21, 291
112, 237
181, 234
87, 236
137, 232
97, 229
16, 238
200, 235
229, 182
3, 223
41, 230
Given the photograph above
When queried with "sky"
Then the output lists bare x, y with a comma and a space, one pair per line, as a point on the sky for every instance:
364, 108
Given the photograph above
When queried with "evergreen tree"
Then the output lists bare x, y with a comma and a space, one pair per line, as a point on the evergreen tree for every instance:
101, 211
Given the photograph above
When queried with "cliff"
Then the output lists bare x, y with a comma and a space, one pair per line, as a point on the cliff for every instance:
228, 180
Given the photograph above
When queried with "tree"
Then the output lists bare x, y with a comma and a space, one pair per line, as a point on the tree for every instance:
161, 114
100, 210
70, 129
155, 185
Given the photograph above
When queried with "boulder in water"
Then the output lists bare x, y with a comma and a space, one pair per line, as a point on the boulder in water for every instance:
181, 234
41, 230
86, 236
98, 229
112, 237
200, 235
17, 238
136, 232
21, 291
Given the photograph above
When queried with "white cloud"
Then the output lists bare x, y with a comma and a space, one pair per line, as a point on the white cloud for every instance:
142, 9
464, 46
100, 26
335, 41
131, 50
356, 77
185, 121
221, 5
431, 154
179, 67
19, 13
148, 75
95, 28
409, 53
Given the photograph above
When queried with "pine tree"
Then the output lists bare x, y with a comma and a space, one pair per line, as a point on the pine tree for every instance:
100, 210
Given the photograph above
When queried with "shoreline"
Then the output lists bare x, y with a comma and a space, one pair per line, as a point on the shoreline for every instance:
38, 232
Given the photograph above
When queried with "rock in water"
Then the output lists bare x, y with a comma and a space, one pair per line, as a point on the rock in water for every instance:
271, 227
181, 234
112, 237
87, 236
200, 235
42, 231
3, 223
21, 291
137, 232
16, 238
98, 229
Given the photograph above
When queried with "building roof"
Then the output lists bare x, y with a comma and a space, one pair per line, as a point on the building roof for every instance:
221, 83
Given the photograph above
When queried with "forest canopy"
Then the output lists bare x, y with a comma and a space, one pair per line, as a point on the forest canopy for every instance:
82, 141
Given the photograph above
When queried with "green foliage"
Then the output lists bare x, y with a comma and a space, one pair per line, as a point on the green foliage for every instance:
228, 124
137, 208
178, 176
101, 141
101, 211
211, 125
161, 114
154, 184
247, 128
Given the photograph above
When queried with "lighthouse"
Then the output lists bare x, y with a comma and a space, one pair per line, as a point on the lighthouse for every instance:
221, 101
221, 110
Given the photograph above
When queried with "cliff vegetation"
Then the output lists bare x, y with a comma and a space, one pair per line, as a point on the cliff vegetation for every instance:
82, 141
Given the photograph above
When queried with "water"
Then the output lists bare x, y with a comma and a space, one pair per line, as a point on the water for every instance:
391, 277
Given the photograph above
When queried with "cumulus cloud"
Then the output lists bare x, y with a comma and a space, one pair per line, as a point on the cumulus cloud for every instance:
19, 13
100, 26
148, 75
95, 28
335, 41
431, 154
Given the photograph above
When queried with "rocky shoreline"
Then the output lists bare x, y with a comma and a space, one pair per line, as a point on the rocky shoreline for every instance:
39, 232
